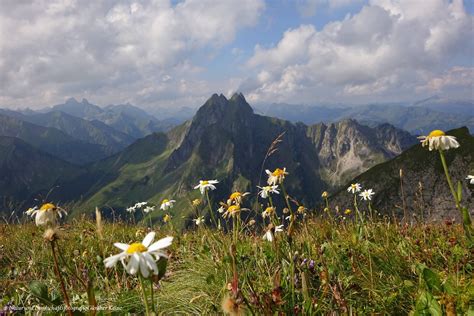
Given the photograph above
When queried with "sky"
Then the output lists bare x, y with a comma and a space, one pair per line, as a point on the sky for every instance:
168, 54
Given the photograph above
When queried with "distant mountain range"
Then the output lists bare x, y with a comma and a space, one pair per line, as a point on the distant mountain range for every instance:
418, 118
225, 140
80, 132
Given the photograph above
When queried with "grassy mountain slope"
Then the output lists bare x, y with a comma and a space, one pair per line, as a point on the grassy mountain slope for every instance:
28, 173
419, 166
52, 140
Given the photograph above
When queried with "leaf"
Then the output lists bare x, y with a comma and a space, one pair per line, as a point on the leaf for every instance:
426, 304
40, 290
432, 280
162, 264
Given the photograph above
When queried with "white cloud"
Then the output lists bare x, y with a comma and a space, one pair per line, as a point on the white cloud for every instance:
388, 49
118, 51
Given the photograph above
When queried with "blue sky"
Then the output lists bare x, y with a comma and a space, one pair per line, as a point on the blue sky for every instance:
177, 53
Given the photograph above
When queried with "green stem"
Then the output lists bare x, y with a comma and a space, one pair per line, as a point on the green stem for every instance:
210, 209
467, 223
145, 298
152, 296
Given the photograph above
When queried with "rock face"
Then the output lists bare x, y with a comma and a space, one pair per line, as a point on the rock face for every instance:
347, 148
427, 194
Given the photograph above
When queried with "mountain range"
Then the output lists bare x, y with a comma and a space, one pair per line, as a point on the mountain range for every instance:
225, 140
418, 118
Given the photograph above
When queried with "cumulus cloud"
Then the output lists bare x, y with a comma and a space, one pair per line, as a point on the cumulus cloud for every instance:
390, 48
139, 51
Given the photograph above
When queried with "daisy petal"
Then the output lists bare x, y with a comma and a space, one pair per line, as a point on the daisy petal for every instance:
148, 239
160, 244
121, 246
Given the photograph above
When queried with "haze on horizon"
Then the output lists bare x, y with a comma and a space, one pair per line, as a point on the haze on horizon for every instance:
177, 53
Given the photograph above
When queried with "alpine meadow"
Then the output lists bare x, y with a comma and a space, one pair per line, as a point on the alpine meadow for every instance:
237, 157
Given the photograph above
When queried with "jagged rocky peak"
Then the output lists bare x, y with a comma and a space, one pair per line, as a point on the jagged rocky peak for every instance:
218, 108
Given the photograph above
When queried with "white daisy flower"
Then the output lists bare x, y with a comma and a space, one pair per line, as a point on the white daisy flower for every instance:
471, 179
205, 185
268, 212
266, 190
131, 209
354, 188
166, 204
48, 213
236, 197
276, 176
367, 194
149, 208
141, 256
140, 204
269, 234
198, 221
438, 140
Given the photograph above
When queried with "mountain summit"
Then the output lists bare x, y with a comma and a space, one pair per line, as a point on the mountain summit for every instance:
227, 141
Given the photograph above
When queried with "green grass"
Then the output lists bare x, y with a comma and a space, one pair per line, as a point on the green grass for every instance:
388, 269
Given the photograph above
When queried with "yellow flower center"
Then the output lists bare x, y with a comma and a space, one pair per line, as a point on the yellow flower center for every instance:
165, 201
278, 172
269, 210
436, 133
136, 247
325, 194
348, 211
301, 209
235, 195
47, 207
233, 209
204, 182
354, 186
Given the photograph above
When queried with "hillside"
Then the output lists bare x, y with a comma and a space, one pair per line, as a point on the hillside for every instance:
52, 141
28, 173
419, 166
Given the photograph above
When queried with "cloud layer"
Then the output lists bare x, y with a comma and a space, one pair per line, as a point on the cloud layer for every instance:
113, 50
390, 49
161, 53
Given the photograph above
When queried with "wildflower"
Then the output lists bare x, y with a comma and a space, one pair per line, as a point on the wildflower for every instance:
271, 232
324, 195
289, 217
326, 209
46, 214
354, 188
438, 140
196, 202
252, 222
166, 218
347, 211
301, 209
50, 234
140, 204
471, 179
367, 194
131, 209
205, 185
149, 209
266, 190
141, 256
276, 176
233, 210
198, 221
236, 197
166, 204
222, 208
268, 211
